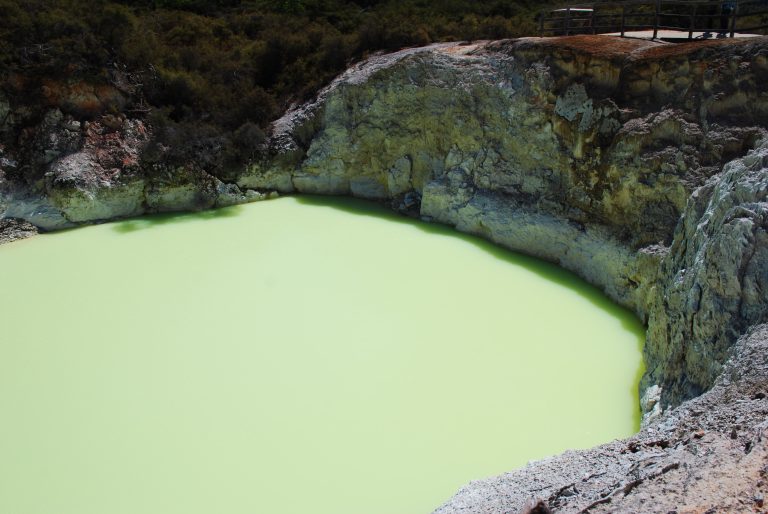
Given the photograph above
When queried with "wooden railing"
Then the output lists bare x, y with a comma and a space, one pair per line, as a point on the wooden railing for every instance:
710, 17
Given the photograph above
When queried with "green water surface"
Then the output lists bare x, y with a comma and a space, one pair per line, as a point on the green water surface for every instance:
293, 356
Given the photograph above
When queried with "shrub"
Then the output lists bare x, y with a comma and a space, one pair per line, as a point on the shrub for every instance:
217, 72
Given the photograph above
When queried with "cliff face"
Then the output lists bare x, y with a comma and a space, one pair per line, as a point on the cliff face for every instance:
713, 282
582, 151
642, 167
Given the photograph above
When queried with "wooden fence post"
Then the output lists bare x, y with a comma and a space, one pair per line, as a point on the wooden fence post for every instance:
693, 22
656, 21
568, 21
623, 18
734, 15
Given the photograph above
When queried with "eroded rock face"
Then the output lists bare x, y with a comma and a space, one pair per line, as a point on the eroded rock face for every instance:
66, 173
13, 230
578, 151
640, 166
715, 278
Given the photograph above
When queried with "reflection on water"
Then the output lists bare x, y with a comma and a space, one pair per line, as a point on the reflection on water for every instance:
295, 355
542, 268
155, 220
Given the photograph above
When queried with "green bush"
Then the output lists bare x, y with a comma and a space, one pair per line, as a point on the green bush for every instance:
216, 72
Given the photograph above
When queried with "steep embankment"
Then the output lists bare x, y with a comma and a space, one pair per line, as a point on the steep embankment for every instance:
642, 167
583, 152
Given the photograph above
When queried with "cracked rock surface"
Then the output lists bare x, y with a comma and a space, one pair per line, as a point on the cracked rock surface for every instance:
13, 230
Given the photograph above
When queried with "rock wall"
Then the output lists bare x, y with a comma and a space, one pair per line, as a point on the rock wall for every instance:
586, 152
642, 167
714, 280
62, 172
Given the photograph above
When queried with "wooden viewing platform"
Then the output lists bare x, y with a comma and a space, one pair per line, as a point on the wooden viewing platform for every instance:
667, 20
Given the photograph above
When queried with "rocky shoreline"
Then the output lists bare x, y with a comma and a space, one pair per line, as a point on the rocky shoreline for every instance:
642, 167
12, 230
708, 455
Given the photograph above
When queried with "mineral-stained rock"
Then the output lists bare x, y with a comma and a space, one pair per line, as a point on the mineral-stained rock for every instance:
12, 230
609, 162
56, 136
546, 148
714, 280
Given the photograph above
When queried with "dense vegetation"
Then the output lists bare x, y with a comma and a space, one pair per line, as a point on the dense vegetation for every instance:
211, 74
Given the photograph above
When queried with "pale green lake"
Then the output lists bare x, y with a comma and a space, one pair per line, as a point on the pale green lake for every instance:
292, 356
